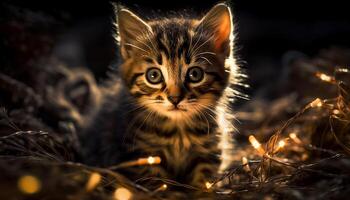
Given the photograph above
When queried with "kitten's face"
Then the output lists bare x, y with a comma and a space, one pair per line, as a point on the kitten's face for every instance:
176, 67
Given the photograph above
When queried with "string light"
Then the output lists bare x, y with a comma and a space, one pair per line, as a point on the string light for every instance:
122, 194
280, 145
161, 188
93, 181
295, 138
316, 103
208, 185
245, 164
256, 144
336, 112
141, 161
325, 77
150, 160
29, 184
343, 70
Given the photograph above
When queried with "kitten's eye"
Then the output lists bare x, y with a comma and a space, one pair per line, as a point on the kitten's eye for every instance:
195, 74
154, 75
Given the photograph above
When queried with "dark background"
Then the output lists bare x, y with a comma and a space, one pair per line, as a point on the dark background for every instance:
79, 33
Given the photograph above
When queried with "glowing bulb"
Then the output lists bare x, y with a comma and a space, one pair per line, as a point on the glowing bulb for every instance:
161, 188
29, 184
94, 180
244, 161
316, 103
281, 144
256, 144
336, 112
325, 77
208, 185
343, 70
151, 160
292, 135
295, 138
245, 164
122, 194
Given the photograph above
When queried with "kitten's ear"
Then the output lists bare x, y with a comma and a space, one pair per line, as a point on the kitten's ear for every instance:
218, 22
129, 27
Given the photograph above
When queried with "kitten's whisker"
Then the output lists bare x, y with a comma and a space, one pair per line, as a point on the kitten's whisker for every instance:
142, 106
132, 123
200, 36
206, 52
134, 109
190, 46
149, 48
210, 38
227, 107
211, 110
206, 59
137, 47
201, 114
134, 136
152, 43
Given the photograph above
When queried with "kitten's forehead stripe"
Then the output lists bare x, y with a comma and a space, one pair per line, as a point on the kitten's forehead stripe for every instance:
173, 38
161, 44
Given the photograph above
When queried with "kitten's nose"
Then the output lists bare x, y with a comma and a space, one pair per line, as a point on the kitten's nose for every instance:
175, 94
174, 99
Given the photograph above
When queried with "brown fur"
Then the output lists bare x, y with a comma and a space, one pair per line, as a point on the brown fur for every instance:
185, 122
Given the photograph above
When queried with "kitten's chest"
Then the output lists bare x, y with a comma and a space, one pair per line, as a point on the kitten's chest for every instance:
178, 148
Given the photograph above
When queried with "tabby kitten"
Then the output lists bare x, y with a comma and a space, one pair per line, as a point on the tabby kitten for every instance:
173, 95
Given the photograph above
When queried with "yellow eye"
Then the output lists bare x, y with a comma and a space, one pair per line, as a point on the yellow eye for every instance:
195, 74
154, 76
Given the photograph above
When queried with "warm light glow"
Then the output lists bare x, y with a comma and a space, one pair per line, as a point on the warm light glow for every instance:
122, 194
94, 180
244, 161
161, 188
336, 112
343, 70
325, 77
281, 144
245, 164
208, 185
295, 138
29, 184
316, 103
256, 144
150, 160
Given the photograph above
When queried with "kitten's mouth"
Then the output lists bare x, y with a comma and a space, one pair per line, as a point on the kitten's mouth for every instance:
177, 109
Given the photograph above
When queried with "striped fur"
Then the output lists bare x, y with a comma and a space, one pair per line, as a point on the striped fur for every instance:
193, 138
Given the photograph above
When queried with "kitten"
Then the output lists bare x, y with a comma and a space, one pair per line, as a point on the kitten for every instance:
171, 97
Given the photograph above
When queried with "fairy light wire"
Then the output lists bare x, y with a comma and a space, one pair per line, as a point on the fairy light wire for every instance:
151, 160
